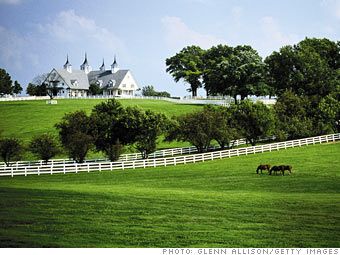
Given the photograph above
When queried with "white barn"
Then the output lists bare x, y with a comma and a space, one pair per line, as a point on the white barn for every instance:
76, 83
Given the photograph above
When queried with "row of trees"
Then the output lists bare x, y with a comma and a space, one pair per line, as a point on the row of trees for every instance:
311, 67
110, 127
7, 86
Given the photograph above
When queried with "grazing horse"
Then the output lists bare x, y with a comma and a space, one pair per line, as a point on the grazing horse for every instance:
262, 167
281, 168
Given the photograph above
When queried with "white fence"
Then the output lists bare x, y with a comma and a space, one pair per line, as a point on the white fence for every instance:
202, 101
130, 156
170, 161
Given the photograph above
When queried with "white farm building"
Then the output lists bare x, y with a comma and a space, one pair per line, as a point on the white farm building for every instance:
76, 83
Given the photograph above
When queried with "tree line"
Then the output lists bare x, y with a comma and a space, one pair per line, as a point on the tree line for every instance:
110, 127
311, 67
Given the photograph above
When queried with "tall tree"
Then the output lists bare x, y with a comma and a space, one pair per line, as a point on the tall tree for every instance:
309, 68
44, 146
187, 65
255, 120
10, 150
5, 83
112, 125
151, 126
17, 88
74, 133
196, 128
234, 71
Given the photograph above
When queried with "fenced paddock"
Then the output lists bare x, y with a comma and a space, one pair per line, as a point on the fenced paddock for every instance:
169, 161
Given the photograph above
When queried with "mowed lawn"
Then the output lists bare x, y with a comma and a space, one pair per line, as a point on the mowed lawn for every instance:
221, 203
25, 119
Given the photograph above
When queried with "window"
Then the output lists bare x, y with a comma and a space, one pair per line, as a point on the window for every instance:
132, 86
124, 85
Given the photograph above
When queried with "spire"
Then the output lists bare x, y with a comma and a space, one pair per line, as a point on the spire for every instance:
102, 68
67, 65
85, 61
85, 66
114, 66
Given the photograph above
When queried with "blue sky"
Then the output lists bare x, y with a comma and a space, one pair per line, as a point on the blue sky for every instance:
36, 35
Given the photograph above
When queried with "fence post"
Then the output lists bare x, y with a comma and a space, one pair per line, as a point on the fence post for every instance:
174, 161
64, 168
12, 171
51, 169
88, 167
76, 167
100, 167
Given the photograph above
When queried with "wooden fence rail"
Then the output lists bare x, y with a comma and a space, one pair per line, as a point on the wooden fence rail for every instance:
169, 161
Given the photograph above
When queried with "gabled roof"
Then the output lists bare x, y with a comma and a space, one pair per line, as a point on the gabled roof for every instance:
107, 76
76, 75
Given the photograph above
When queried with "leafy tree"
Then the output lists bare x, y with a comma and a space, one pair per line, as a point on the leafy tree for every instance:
31, 89
234, 71
17, 88
44, 146
187, 65
10, 150
255, 120
224, 124
5, 83
74, 133
152, 125
111, 125
149, 91
292, 114
309, 68
37, 87
328, 113
52, 89
95, 89
196, 128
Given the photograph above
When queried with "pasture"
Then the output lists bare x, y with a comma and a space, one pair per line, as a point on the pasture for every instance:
221, 203
25, 119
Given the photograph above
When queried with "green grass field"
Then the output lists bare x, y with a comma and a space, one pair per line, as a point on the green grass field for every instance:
25, 119
222, 203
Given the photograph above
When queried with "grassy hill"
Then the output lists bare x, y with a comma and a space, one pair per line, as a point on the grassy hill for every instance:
24, 119
222, 203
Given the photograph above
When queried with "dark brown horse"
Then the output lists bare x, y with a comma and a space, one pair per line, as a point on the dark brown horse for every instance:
281, 168
262, 167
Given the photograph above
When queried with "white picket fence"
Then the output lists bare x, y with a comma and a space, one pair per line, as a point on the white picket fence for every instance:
169, 161
130, 156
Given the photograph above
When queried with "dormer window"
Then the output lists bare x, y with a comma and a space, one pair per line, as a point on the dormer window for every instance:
112, 83
74, 83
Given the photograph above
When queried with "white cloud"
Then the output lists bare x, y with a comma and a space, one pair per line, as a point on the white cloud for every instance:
179, 35
71, 28
273, 38
13, 49
13, 2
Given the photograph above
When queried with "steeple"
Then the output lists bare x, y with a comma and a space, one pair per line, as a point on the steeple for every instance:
67, 65
85, 66
114, 66
102, 68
